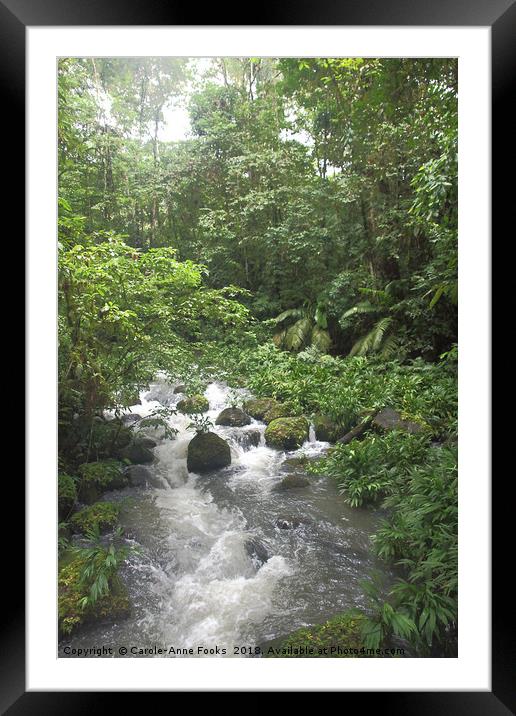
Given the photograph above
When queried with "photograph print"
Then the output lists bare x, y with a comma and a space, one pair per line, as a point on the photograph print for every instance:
257, 368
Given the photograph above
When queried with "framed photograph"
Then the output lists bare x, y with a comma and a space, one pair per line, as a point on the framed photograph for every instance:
258, 271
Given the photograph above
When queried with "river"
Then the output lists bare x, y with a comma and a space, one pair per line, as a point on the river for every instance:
192, 582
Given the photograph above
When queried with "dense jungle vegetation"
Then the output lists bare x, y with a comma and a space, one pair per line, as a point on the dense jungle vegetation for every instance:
301, 241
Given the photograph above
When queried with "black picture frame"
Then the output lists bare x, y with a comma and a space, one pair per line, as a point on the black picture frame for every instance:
500, 15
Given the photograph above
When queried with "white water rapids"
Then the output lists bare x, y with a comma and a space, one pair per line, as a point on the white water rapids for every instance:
192, 582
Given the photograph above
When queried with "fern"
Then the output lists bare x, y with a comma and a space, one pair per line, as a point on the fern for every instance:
372, 341
309, 329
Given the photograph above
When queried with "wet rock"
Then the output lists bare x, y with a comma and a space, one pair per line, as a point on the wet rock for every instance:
147, 442
131, 418
290, 522
253, 437
296, 464
207, 451
234, 417
180, 388
193, 405
389, 419
136, 453
257, 407
287, 433
162, 393
291, 482
256, 550
326, 429
138, 475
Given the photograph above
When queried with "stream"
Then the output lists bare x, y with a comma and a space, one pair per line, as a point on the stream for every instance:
195, 579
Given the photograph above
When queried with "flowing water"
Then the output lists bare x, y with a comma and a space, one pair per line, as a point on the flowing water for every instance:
197, 580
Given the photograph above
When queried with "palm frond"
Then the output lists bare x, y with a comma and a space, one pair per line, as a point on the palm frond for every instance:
362, 307
320, 317
279, 337
321, 339
372, 341
297, 334
289, 313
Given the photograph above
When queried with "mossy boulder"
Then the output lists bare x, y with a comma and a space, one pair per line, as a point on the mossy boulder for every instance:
338, 638
71, 615
291, 482
147, 442
137, 452
101, 515
326, 429
280, 410
99, 477
193, 405
286, 433
66, 495
234, 417
389, 419
207, 451
257, 407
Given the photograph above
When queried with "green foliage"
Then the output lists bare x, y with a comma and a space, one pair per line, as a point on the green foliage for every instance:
200, 423
368, 470
421, 536
346, 389
101, 517
99, 565
308, 329
96, 478
66, 494
315, 199
339, 637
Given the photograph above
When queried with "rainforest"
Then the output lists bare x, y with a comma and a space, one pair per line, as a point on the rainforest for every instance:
258, 355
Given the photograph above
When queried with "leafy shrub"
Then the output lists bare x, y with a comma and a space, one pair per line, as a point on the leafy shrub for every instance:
99, 477
101, 516
368, 470
66, 494
421, 536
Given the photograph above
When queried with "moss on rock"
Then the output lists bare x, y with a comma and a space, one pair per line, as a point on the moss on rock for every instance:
208, 451
280, 410
234, 417
99, 477
287, 433
326, 429
291, 482
338, 638
66, 495
193, 404
71, 615
101, 515
257, 407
